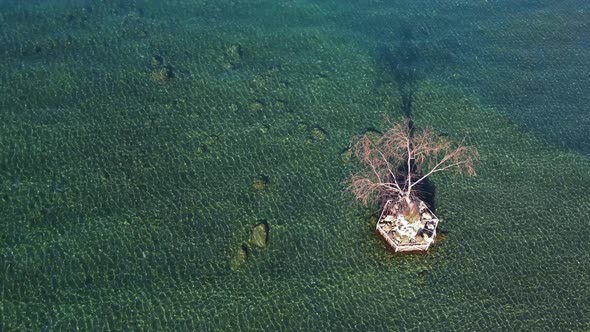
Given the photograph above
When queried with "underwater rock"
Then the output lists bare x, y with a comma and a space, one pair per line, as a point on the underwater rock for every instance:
162, 74
160, 71
211, 139
157, 61
256, 106
325, 74
260, 234
442, 236
206, 144
318, 133
373, 134
240, 258
261, 182
233, 56
201, 150
259, 238
234, 52
345, 156
281, 106
422, 275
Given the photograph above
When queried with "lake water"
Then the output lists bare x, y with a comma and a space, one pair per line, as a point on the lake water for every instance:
180, 165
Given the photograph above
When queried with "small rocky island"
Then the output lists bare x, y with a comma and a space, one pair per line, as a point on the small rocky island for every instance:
392, 167
403, 233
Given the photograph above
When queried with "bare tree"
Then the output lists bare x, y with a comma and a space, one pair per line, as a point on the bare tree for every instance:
393, 166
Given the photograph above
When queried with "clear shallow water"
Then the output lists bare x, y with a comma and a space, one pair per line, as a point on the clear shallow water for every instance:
133, 137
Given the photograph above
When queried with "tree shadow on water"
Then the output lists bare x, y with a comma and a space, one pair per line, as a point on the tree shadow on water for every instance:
425, 190
400, 62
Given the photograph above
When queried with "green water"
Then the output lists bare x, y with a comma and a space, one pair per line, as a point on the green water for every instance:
142, 142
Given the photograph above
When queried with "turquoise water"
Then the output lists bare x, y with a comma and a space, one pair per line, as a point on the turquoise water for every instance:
142, 142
